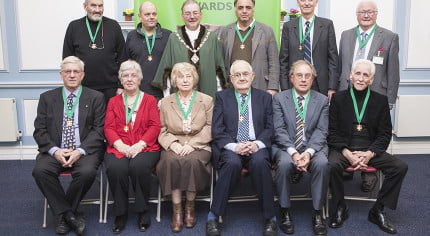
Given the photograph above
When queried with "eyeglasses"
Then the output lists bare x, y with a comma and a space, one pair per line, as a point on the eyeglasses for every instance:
129, 76
303, 76
240, 75
190, 14
369, 13
68, 72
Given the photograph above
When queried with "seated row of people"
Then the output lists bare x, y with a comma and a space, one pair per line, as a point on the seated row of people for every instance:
244, 127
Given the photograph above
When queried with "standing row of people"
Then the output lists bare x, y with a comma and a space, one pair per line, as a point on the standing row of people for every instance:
241, 135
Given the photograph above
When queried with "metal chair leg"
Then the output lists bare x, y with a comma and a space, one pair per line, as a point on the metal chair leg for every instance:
45, 209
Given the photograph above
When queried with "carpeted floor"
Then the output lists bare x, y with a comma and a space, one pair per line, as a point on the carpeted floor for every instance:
21, 209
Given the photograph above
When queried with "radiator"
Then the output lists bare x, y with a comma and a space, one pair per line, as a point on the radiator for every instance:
8, 120
412, 116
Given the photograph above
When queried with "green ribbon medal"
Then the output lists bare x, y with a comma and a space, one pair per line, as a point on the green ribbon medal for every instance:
302, 114
70, 112
361, 43
239, 104
150, 47
129, 113
307, 33
93, 37
187, 113
242, 39
359, 115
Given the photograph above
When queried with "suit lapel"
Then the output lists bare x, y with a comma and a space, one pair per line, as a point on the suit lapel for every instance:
175, 107
310, 112
256, 38
317, 29
377, 40
351, 38
58, 109
231, 34
196, 107
84, 104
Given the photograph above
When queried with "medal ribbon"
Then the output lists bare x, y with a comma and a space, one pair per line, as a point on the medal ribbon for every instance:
128, 113
69, 112
186, 114
302, 114
242, 39
147, 41
93, 37
302, 38
239, 103
359, 115
361, 44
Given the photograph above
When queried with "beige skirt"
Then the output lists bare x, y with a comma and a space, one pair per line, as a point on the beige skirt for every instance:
188, 173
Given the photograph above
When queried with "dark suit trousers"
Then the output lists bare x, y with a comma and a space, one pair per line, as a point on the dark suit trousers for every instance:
394, 171
46, 173
259, 167
139, 170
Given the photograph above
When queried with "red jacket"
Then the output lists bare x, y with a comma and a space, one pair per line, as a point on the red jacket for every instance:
146, 126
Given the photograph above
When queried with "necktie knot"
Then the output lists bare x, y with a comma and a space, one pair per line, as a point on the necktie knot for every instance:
243, 98
363, 36
300, 98
307, 23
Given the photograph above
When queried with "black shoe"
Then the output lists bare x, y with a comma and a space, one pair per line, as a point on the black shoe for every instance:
295, 178
270, 228
379, 218
337, 220
212, 228
286, 225
369, 181
119, 224
76, 222
318, 224
143, 221
62, 227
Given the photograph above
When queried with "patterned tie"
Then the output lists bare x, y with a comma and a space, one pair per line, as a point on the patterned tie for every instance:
243, 130
307, 44
298, 140
69, 139
360, 52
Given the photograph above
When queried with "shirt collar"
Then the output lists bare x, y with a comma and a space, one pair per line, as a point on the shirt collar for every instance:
243, 29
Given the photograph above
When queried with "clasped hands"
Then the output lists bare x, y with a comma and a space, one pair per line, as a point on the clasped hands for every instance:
181, 150
67, 156
302, 160
129, 151
358, 159
246, 148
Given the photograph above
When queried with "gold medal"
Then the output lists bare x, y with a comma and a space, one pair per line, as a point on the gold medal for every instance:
300, 47
359, 53
93, 46
359, 127
150, 58
242, 46
69, 123
302, 124
126, 128
241, 118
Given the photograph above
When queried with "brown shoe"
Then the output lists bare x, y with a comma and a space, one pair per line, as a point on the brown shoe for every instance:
190, 218
177, 218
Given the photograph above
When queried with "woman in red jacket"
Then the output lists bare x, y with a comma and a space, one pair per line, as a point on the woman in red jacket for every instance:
131, 128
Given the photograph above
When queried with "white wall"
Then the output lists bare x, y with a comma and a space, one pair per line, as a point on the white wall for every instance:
41, 29
418, 36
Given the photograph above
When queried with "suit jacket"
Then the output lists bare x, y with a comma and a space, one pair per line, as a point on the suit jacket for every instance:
225, 120
48, 125
284, 119
265, 60
146, 126
324, 53
342, 116
387, 76
201, 120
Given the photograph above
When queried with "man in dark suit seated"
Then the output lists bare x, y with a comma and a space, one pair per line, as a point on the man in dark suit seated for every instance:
359, 134
69, 134
242, 129
300, 117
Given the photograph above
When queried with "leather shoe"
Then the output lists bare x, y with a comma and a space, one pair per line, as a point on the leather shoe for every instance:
295, 178
190, 218
270, 228
77, 223
119, 224
212, 228
337, 220
62, 227
286, 225
369, 181
318, 224
379, 218
143, 221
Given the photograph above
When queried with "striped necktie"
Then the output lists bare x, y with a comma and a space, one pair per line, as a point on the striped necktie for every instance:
307, 44
69, 138
298, 140
243, 130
